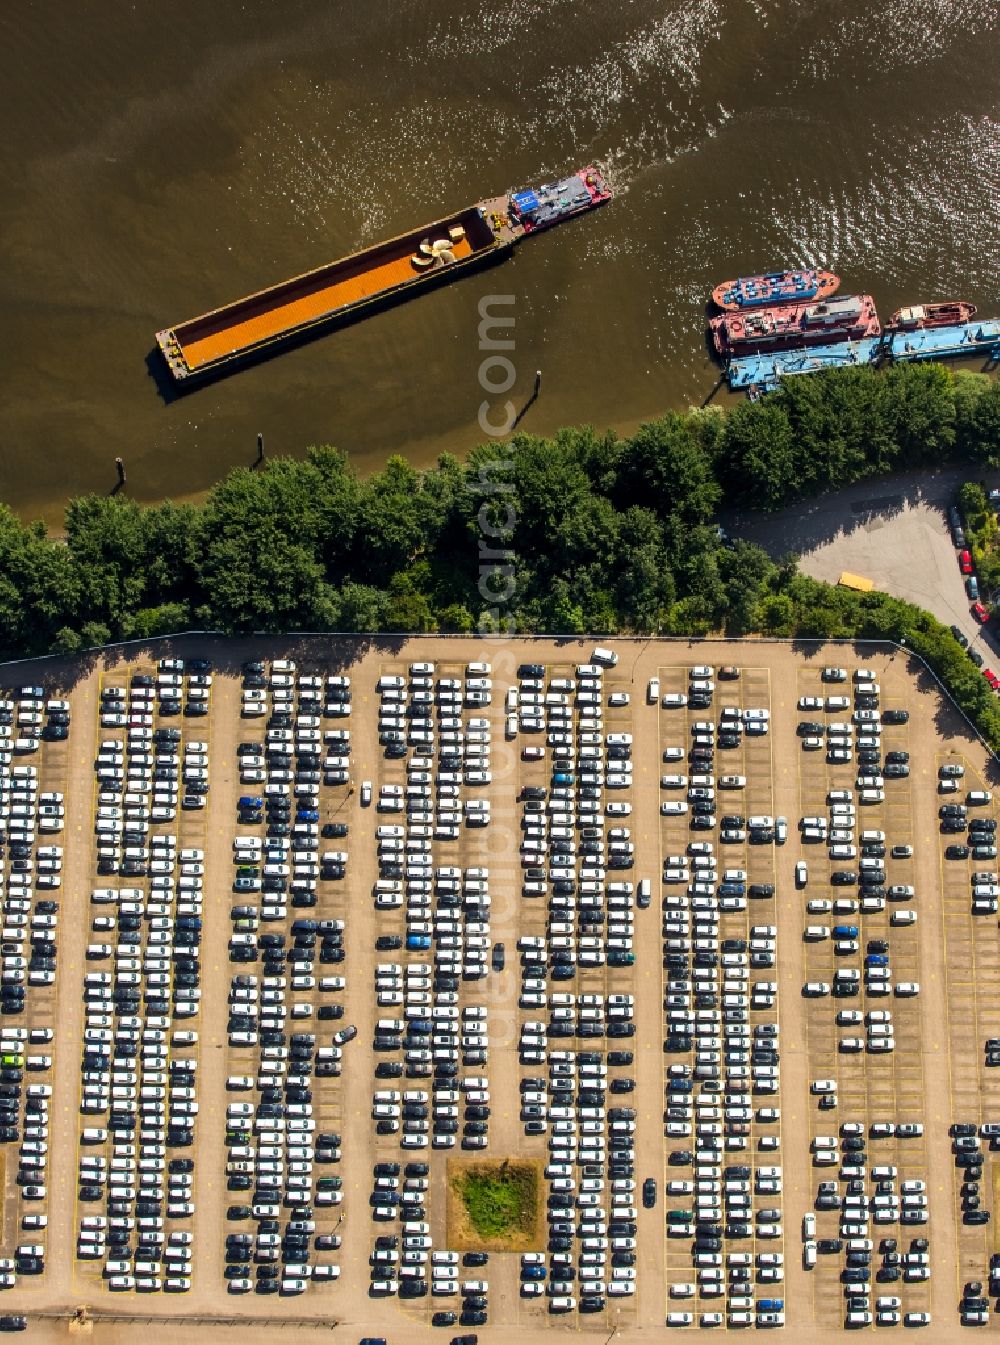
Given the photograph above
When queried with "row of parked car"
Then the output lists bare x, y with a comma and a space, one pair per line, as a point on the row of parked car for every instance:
281, 1160
860, 886
31, 863
436, 916
721, 1034
139, 1062
966, 566
576, 1082
858, 740
862, 1192
855, 893
28, 719
177, 687
967, 1146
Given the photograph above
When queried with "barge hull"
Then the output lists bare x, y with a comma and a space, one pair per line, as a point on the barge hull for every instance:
307, 304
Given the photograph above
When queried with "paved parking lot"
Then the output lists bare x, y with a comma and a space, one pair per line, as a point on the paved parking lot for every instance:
330, 924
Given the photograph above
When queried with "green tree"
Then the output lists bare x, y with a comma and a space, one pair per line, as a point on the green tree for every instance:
66, 641
760, 468
745, 571
978, 426
394, 514
363, 608
456, 617
94, 634
665, 467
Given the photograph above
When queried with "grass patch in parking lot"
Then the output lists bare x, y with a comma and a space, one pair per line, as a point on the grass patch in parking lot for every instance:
494, 1206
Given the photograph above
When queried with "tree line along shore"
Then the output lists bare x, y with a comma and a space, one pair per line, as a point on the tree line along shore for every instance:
580, 532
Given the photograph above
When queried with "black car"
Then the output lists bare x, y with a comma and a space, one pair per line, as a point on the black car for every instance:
895, 716
649, 1193
761, 890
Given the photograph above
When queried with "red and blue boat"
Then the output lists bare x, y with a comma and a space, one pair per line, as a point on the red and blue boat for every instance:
775, 287
851, 317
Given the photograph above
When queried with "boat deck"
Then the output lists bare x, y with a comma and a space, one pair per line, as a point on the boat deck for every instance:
323, 296
935, 343
765, 371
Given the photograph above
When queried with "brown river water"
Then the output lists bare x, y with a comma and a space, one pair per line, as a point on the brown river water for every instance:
159, 160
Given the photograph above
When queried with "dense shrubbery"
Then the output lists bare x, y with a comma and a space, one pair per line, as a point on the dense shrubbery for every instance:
501, 1199
580, 532
982, 533
830, 429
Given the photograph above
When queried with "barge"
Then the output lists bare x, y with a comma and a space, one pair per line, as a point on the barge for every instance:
760, 373
775, 287
375, 277
851, 317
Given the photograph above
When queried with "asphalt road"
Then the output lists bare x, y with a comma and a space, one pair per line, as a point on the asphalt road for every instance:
892, 530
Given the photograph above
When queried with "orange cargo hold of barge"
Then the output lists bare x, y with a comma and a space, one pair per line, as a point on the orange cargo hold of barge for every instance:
317, 297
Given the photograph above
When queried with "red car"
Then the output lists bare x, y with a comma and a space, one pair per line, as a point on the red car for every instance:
965, 561
980, 613
992, 678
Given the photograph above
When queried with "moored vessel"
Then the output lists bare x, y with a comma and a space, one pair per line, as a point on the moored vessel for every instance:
775, 287
919, 316
851, 317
